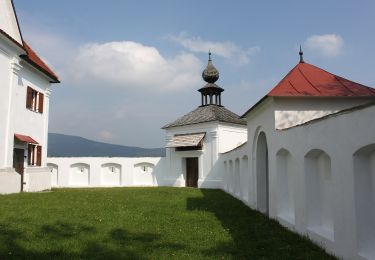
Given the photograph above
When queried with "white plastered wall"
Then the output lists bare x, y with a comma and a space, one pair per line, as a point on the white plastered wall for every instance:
5, 97
98, 172
219, 137
8, 21
322, 150
291, 111
16, 75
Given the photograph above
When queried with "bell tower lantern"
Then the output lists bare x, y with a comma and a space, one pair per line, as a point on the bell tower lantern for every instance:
211, 93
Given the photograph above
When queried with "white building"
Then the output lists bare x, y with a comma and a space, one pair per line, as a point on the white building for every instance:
195, 140
24, 105
310, 160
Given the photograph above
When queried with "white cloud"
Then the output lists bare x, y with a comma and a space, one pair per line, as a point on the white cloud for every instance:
130, 64
55, 50
328, 44
106, 135
228, 50
125, 64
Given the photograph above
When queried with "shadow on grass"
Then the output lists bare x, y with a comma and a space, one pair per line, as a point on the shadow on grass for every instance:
63, 230
79, 242
254, 236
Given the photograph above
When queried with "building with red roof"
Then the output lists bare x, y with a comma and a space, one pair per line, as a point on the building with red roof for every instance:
309, 160
26, 82
308, 92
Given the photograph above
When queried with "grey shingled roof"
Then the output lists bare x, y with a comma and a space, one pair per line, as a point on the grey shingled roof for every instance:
207, 114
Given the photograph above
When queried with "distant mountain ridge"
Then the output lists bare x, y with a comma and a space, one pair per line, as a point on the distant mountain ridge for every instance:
60, 145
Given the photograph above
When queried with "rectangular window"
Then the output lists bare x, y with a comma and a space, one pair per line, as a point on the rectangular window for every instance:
34, 100
34, 155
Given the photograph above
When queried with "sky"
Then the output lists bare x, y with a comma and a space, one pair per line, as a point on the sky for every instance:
127, 68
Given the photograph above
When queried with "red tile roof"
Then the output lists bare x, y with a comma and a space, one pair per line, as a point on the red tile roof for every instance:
25, 138
308, 80
37, 62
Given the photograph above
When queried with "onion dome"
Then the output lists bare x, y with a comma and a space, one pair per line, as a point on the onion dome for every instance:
210, 73
211, 93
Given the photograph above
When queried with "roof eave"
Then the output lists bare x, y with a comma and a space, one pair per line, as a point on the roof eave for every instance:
52, 79
218, 121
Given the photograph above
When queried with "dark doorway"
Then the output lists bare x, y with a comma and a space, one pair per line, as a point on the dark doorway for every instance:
18, 162
192, 172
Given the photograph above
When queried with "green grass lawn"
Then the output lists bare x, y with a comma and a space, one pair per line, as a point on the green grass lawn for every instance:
142, 223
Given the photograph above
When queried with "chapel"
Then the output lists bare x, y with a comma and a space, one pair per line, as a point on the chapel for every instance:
195, 140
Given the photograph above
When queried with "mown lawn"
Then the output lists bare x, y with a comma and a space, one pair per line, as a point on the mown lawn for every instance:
142, 223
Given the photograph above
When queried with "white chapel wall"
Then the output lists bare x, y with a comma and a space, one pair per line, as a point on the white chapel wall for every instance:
5, 73
219, 137
295, 111
16, 75
321, 179
207, 157
231, 136
25, 117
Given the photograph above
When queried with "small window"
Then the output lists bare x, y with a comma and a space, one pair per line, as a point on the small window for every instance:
34, 157
34, 100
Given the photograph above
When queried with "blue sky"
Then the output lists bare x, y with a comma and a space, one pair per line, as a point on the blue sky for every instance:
129, 67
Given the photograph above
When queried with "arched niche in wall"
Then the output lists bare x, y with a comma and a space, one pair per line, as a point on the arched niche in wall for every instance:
144, 174
261, 167
319, 187
231, 179
110, 174
244, 177
79, 174
364, 195
225, 176
237, 181
54, 174
286, 186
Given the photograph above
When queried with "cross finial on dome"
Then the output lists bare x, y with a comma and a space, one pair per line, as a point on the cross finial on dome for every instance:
210, 73
300, 55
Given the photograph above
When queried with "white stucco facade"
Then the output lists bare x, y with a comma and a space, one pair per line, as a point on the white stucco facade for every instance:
8, 21
148, 171
316, 178
219, 137
106, 171
17, 75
